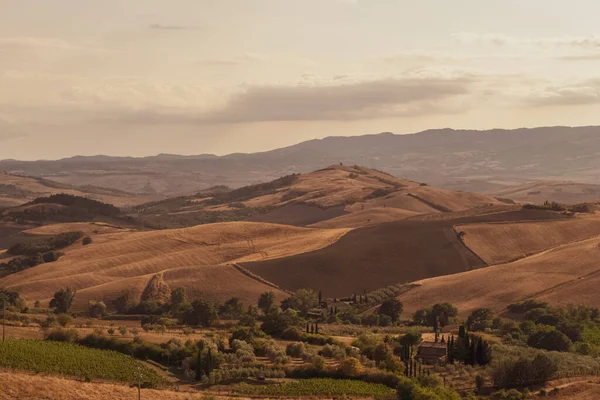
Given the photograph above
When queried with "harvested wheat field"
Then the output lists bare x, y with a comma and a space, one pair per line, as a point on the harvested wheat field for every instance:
504, 242
376, 256
196, 258
14, 385
568, 274
367, 217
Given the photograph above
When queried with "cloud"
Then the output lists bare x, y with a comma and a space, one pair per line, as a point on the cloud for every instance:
164, 27
583, 93
589, 42
581, 57
338, 99
31, 43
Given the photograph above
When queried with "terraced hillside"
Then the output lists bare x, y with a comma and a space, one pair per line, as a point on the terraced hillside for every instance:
195, 258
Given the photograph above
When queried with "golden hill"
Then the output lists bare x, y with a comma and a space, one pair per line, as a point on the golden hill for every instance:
503, 242
567, 274
376, 256
195, 258
306, 199
16, 190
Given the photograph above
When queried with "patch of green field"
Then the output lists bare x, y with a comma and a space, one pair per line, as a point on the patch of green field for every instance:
73, 360
319, 387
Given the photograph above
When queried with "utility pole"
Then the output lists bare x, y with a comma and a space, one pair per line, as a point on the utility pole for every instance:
139, 382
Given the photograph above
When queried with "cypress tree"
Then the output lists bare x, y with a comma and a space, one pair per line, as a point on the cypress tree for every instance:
307, 328
335, 310
331, 310
208, 363
366, 299
461, 331
317, 328
479, 353
320, 297
473, 351
467, 349
199, 365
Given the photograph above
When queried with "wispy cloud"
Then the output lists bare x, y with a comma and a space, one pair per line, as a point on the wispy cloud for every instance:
590, 42
166, 27
582, 93
338, 99
25, 43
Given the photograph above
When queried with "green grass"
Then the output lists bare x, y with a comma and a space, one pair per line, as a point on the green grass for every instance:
73, 360
319, 387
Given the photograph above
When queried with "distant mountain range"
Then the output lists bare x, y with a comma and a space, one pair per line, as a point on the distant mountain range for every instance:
481, 161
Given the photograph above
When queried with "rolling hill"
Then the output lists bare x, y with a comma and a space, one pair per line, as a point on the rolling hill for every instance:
498, 243
560, 192
199, 259
16, 190
568, 274
376, 256
466, 159
304, 199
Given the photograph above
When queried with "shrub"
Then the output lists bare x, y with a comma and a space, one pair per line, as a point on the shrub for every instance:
63, 335
64, 319
296, 350
350, 366
548, 338
86, 240
96, 309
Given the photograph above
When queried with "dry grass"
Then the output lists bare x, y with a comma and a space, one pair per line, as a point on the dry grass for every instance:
195, 258
569, 274
44, 387
503, 242
376, 256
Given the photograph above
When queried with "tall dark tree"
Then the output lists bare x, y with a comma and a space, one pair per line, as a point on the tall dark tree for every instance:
199, 365
392, 308
266, 301
62, 300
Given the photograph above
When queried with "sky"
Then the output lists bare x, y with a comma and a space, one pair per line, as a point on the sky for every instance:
142, 77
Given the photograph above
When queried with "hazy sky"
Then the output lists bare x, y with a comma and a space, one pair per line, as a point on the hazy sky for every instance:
141, 77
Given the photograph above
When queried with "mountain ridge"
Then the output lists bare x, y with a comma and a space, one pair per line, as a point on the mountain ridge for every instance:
440, 157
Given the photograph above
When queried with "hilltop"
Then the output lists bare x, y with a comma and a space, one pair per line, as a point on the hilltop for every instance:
304, 199
479, 161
